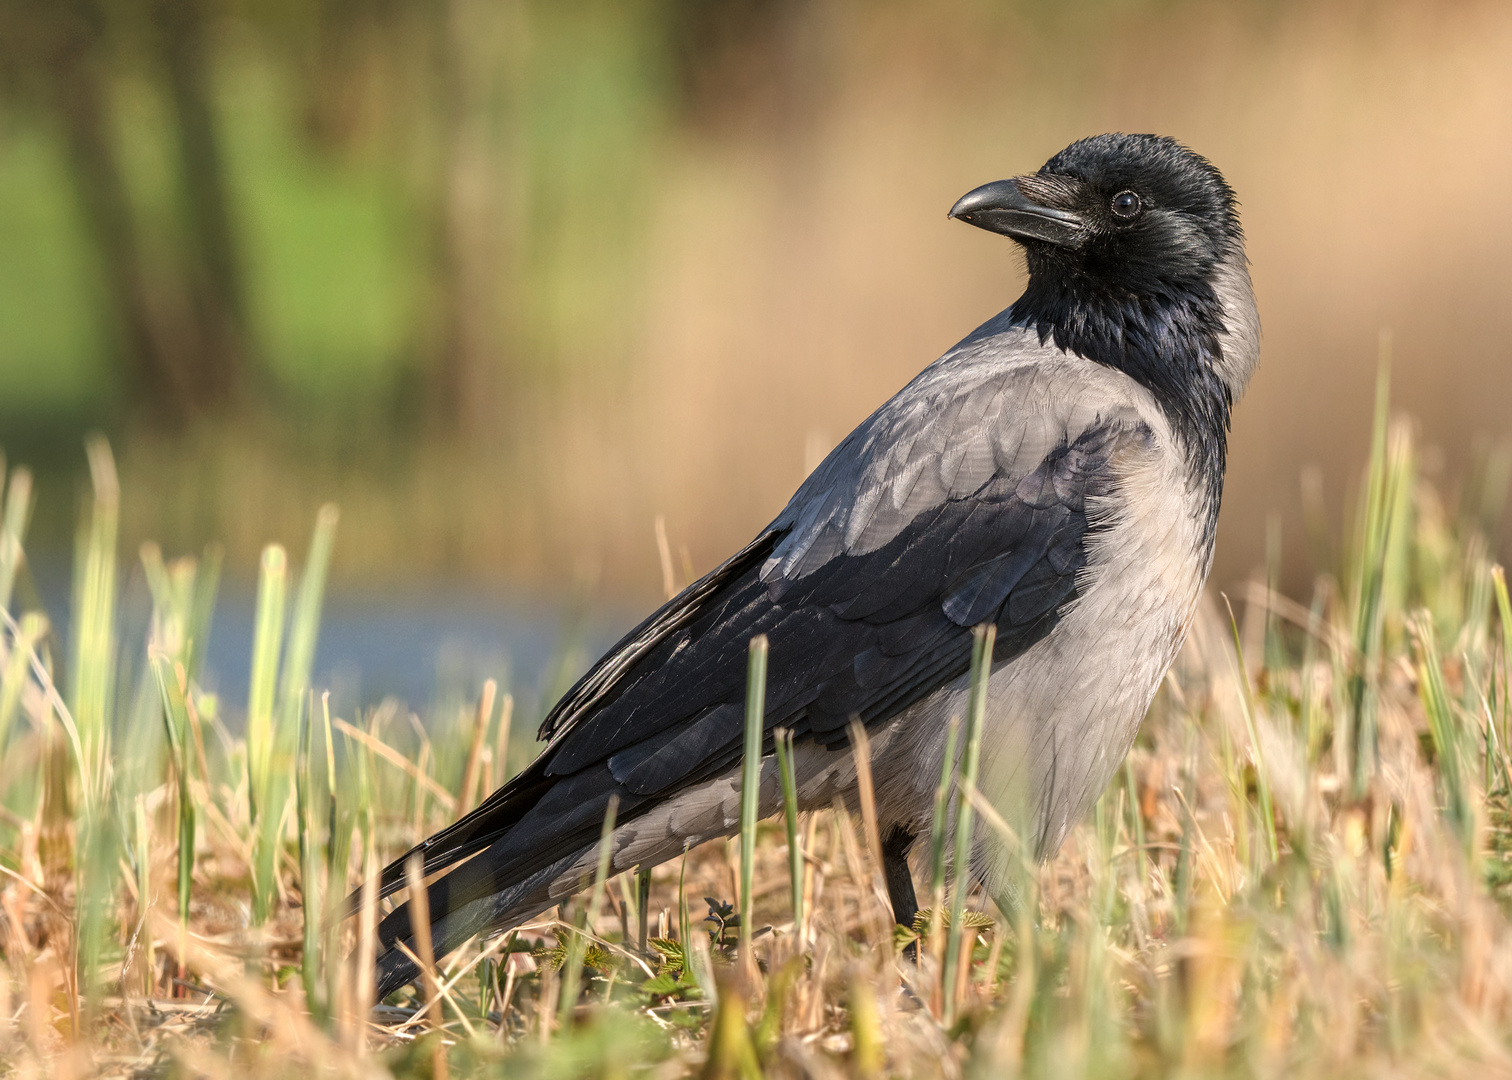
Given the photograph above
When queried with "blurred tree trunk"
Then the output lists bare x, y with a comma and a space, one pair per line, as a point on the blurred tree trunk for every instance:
212, 265
472, 246
77, 82
180, 328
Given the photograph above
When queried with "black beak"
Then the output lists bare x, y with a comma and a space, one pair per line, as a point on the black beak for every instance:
1002, 207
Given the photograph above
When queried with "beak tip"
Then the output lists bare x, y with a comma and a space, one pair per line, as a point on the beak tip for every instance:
969, 206
1002, 207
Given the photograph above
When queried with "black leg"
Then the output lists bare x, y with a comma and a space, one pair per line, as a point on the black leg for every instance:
643, 901
900, 886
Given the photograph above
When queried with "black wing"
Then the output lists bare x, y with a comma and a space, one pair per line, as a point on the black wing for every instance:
863, 633
497, 814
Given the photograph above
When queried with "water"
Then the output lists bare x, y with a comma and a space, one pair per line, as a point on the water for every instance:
431, 648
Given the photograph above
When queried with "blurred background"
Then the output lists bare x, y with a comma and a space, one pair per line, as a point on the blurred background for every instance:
508, 279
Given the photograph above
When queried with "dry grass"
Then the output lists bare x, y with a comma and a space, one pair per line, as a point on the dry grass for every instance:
1302, 870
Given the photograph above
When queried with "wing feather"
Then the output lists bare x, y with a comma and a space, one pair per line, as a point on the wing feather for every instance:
944, 509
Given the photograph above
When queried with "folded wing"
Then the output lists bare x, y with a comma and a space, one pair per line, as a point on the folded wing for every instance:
964, 500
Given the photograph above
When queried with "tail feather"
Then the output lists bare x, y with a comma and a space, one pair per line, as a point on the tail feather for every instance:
451, 928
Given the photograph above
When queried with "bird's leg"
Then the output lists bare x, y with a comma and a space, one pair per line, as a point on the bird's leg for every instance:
643, 901
900, 887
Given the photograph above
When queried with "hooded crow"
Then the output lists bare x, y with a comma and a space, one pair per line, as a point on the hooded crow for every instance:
1057, 473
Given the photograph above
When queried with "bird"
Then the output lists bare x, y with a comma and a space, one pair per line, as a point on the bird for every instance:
1057, 474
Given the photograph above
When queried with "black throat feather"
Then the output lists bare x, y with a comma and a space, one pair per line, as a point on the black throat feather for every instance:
1167, 340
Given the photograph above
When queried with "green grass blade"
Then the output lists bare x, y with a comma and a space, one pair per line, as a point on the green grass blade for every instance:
750, 781
1262, 776
262, 778
176, 721
1503, 660
1310, 707
202, 609
283, 727
577, 946
31, 630
937, 828
984, 637
92, 686
1445, 729
338, 845
267, 636
18, 502
1504, 613
304, 627
1380, 576
141, 858
94, 643
782, 744
309, 861
1369, 565
336, 842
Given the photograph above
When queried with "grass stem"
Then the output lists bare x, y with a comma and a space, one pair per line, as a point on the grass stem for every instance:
782, 744
983, 639
750, 787
577, 944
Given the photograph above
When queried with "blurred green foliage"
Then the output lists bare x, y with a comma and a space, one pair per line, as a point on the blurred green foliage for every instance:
510, 278
205, 205
50, 338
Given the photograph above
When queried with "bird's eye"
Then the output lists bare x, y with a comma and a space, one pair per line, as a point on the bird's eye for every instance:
1126, 204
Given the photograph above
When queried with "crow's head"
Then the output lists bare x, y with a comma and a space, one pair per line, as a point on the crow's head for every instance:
1116, 215
1136, 261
